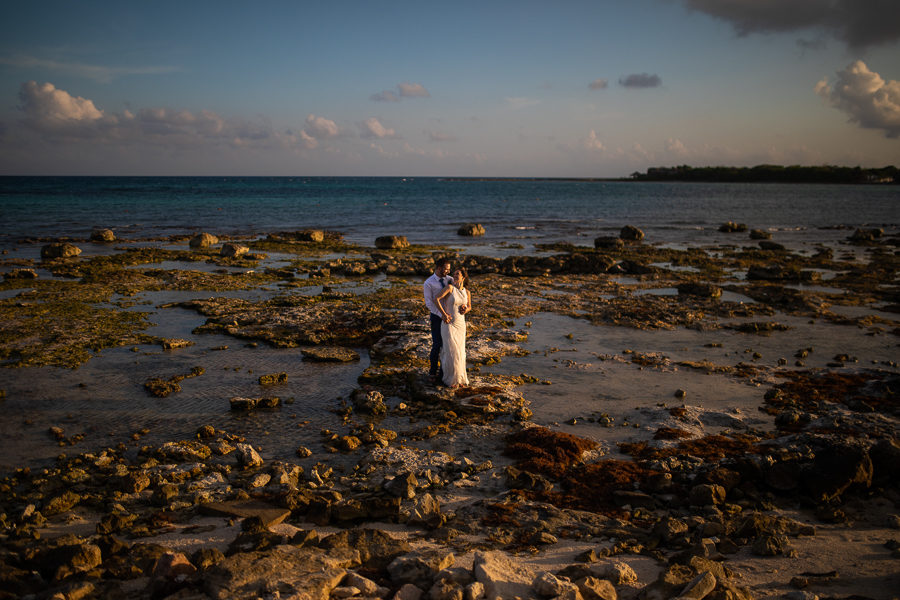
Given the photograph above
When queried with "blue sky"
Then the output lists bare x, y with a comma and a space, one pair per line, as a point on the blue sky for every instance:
564, 89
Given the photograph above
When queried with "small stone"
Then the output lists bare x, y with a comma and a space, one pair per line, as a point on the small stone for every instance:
471, 230
247, 456
231, 250
60, 250
593, 588
103, 236
391, 242
203, 240
631, 233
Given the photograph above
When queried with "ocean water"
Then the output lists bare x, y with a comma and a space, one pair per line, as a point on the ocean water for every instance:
429, 210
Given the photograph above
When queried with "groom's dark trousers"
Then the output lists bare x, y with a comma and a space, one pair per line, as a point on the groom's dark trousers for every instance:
436, 343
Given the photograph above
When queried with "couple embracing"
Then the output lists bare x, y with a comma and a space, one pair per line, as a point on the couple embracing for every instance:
447, 298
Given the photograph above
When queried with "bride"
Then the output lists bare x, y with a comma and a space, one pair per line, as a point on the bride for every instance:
454, 302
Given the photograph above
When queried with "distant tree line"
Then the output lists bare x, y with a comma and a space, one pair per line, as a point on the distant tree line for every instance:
772, 174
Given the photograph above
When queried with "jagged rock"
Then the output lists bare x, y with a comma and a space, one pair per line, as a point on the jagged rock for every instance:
368, 401
103, 235
732, 227
593, 588
185, 451
419, 568
273, 378
770, 545
471, 229
70, 559
294, 572
671, 529
376, 548
203, 240
699, 587
500, 576
526, 480
409, 591
704, 290
609, 243
548, 585
366, 586
205, 558
427, 512
391, 242
60, 504
59, 250
231, 250
134, 482
835, 469
402, 486
866, 235
171, 571
704, 494
248, 457
759, 234
631, 233
445, 590
20, 274
330, 354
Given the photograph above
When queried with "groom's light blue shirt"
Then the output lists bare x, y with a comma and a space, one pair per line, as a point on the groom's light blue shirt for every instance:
431, 288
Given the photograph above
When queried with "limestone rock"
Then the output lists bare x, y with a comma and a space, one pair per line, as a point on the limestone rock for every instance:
704, 290
70, 559
732, 227
548, 585
231, 250
631, 233
419, 568
391, 242
759, 234
699, 587
705, 494
592, 588
329, 354
203, 240
248, 457
300, 573
59, 250
471, 229
21, 274
368, 401
501, 576
103, 236
609, 243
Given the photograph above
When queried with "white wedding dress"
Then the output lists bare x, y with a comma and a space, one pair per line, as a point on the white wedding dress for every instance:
453, 337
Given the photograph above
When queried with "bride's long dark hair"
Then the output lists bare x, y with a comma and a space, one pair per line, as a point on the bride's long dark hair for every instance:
465, 276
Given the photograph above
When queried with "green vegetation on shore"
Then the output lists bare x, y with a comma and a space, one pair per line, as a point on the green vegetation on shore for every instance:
772, 174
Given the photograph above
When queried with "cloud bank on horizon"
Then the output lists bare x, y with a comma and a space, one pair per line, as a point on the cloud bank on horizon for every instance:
488, 118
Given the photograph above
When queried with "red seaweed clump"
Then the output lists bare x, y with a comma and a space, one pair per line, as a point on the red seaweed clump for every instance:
547, 452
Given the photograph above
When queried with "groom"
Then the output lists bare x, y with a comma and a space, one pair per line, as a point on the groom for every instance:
431, 288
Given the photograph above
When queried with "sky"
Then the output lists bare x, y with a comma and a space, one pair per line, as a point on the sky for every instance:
522, 88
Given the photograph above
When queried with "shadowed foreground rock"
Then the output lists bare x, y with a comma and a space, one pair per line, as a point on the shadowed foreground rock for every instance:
300, 573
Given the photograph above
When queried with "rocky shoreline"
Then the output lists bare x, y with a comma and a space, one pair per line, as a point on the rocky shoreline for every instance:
464, 495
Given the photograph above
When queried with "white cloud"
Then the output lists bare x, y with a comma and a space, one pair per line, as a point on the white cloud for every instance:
866, 97
44, 103
598, 84
592, 142
372, 128
385, 96
676, 147
403, 90
320, 127
413, 90
56, 114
